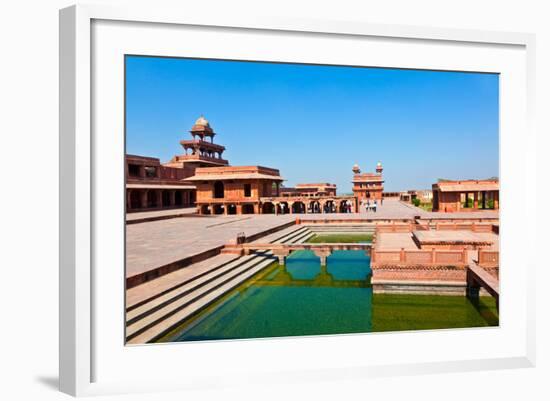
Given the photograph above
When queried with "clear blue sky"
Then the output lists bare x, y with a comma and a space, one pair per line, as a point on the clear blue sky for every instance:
314, 122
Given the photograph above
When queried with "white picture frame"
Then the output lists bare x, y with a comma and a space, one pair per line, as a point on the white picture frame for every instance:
83, 352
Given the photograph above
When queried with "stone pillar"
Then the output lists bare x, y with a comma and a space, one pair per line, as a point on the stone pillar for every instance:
322, 254
239, 209
128, 199
143, 199
281, 254
290, 205
496, 199
142, 171
172, 197
226, 209
159, 198
476, 194
257, 209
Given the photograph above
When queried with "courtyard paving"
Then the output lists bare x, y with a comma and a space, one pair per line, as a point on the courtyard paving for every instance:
158, 243
160, 213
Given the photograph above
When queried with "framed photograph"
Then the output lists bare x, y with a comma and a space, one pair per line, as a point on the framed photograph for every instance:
234, 191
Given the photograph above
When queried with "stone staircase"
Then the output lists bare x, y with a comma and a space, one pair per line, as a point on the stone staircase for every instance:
177, 298
342, 229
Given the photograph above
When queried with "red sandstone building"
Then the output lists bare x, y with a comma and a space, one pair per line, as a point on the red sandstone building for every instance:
234, 190
319, 189
368, 186
203, 178
465, 195
150, 185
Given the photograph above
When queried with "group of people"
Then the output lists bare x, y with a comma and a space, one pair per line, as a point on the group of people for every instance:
370, 206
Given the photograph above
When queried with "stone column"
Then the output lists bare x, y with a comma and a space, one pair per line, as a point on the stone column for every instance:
159, 198
496, 199
128, 199
239, 209
476, 194
226, 209
143, 199
257, 209
322, 254
172, 197
142, 171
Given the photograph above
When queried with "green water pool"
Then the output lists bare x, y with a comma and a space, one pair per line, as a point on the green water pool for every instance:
304, 298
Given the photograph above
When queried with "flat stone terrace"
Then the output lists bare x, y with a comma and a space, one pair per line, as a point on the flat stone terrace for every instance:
159, 214
392, 241
158, 243
158, 238
458, 236
395, 241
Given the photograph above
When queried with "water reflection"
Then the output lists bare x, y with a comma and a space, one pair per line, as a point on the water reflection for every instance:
305, 298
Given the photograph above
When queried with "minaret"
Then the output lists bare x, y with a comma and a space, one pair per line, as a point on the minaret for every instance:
379, 168
201, 151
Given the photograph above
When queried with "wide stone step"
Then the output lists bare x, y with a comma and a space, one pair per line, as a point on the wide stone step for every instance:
291, 235
170, 321
159, 315
302, 237
171, 296
146, 292
305, 238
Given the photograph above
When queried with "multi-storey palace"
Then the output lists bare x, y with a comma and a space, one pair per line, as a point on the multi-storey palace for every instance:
368, 186
201, 177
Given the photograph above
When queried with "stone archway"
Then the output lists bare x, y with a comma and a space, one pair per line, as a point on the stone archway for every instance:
218, 209
343, 206
231, 209
298, 207
329, 206
315, 206
268, 208
205, 209
248, 209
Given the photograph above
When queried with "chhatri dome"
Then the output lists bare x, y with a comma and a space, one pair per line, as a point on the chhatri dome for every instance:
202, 121
356, 169
202, 128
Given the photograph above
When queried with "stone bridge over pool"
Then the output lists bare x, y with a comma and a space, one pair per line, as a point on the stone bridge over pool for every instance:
322, 250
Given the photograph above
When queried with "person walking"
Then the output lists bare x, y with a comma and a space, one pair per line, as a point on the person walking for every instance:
374, 206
